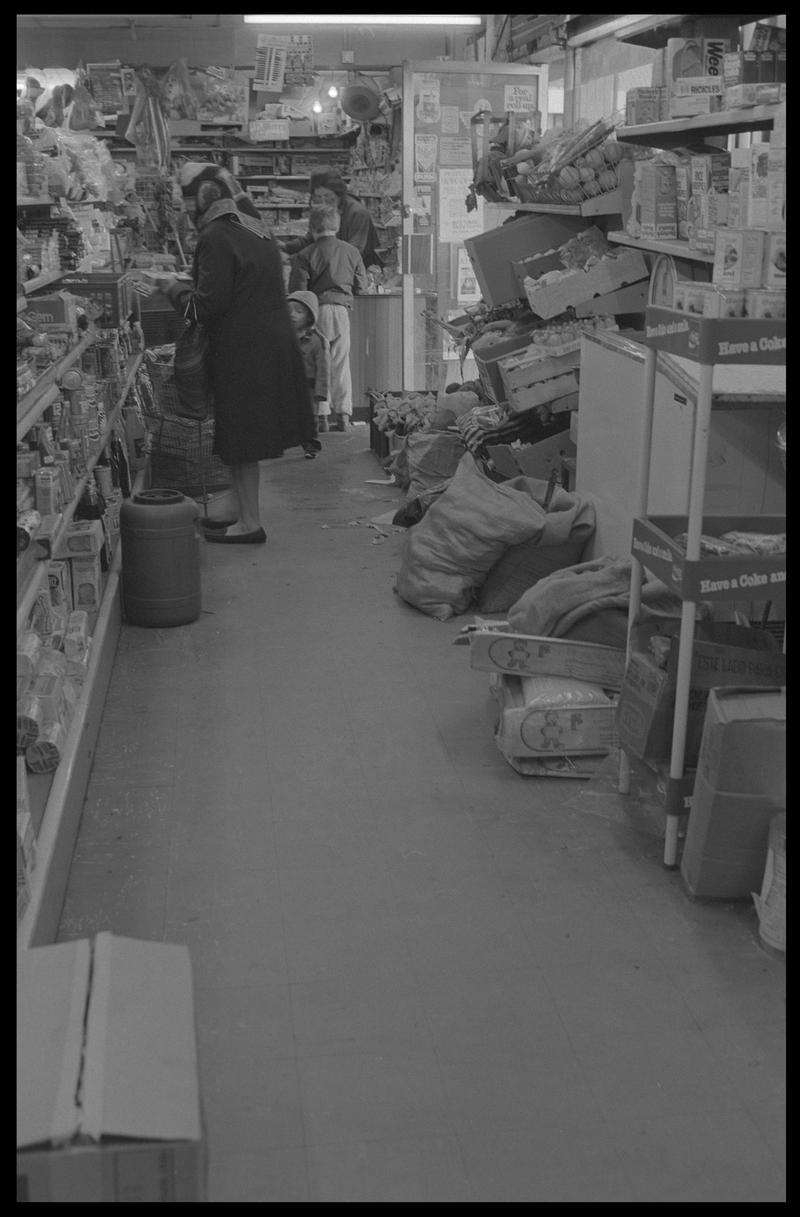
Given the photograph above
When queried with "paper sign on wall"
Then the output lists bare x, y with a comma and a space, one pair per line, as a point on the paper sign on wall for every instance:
282, 59
455, 222
422, 207
426, 98
455, 151
269, 128
450, 122
519, 98
467, 289
426, 148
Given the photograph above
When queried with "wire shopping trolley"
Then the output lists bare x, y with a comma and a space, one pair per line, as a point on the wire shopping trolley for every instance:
180, 449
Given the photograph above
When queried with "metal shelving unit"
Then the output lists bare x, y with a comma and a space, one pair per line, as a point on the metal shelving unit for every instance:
57, 798
676, 132
707, 342
676, 249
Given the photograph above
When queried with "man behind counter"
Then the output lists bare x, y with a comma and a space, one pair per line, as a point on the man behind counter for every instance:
355, 222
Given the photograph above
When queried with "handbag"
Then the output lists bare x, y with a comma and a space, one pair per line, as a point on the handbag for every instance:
193, 390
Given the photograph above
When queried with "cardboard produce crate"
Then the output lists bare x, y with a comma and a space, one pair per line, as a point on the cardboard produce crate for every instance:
647, 702
111, 1021
576, 287
498, 650
532, 460
493, 253
528, 727
739, 786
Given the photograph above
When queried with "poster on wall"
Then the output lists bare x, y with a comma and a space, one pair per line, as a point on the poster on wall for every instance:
423, 196
282, 60
427, 109
426, 149
455, 151
450, 121
455, 222
519, 99
467, 289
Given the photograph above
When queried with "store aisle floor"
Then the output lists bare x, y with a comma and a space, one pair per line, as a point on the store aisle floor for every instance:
419, 976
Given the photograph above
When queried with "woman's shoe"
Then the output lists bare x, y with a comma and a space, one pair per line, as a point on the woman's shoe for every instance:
345, 422
217, 523
258, 537
322, 422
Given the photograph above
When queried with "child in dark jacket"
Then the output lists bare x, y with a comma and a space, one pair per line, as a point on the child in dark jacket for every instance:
304, 310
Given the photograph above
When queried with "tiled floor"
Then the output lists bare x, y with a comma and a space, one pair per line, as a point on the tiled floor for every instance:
420, 976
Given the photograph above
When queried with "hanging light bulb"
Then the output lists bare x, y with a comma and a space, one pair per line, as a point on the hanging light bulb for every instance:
317, 106
333, 91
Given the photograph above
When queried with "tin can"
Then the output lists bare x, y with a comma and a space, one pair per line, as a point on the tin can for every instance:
104, 480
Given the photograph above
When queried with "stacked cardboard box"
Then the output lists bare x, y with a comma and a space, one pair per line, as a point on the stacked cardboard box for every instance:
739, 786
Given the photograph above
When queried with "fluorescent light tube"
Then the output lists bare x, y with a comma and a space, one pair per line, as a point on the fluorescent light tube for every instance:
360, 19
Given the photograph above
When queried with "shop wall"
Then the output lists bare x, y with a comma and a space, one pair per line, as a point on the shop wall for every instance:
604, 71
229, 45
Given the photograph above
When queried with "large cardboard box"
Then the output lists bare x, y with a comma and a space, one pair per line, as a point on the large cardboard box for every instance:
550, 299
532, 460
744, 742
646, 710
529, 726
108, 1101
492, 253
501, 650
739, 786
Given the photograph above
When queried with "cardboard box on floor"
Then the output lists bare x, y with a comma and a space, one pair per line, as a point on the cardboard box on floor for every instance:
498, 649
647, 702
739, 786
532, 460
532, 728
108, 1103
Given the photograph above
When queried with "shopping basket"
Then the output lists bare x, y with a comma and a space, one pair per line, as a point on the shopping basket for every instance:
180, 449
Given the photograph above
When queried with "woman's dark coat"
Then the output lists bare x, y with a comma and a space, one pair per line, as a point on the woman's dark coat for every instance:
262, 399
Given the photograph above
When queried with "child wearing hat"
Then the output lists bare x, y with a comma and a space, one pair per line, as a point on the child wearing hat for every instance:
304, 310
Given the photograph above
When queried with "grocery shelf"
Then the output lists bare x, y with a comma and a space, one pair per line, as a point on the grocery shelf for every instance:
676, 249
26, 200
601, 205
653, 31
31, 406
741, 346
674, 132
274, 177
26, 601
61, 794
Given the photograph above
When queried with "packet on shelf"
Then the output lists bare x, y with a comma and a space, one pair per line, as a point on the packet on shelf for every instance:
739, 257
766, 303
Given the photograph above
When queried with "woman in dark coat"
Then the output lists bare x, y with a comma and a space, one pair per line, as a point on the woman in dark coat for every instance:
262, 401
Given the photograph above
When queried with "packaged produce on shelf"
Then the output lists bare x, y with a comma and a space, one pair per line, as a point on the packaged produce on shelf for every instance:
765, 303
646, 105
44, 754
28, 647
87, 581
739, 257
775, 260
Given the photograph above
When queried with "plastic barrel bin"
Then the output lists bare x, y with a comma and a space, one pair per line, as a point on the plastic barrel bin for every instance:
160, 559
